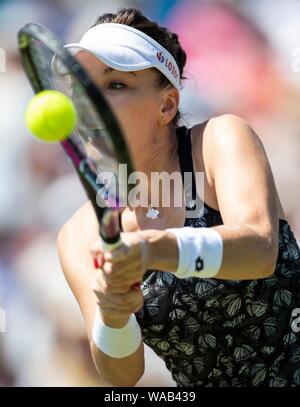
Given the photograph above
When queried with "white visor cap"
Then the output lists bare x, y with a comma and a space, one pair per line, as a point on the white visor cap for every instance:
125, 49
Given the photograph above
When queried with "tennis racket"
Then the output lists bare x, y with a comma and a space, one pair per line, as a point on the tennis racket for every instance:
97, 145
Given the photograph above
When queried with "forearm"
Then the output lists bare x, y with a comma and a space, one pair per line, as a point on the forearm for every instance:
247, 254
119, 372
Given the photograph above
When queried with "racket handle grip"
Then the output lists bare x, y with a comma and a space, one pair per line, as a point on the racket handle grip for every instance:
108, 247
111, 246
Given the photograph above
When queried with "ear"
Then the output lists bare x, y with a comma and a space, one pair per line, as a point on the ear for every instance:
169, 106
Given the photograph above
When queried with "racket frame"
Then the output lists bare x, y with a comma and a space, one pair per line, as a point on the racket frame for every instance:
108, 217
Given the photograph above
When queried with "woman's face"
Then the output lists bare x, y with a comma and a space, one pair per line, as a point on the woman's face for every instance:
135, 97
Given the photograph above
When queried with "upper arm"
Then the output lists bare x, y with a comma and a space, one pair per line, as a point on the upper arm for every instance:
242, 176
73, 243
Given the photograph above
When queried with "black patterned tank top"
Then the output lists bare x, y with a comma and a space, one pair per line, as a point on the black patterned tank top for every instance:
220, 333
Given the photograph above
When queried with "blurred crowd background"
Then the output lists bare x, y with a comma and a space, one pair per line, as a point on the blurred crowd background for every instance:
243, 58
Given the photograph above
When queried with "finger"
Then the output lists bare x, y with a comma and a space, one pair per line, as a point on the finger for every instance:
129, 274
101, 287
97, 254
123, 302
127, 254
121, 253
98, 261
120, 270
117, 289
96, 248
123, 288
127, 300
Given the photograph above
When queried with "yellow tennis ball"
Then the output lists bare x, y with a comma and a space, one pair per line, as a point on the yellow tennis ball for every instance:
51, 116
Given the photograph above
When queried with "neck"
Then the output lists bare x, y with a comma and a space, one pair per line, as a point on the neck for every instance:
158, 153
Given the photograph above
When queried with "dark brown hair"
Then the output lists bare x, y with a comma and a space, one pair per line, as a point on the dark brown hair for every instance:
169, 40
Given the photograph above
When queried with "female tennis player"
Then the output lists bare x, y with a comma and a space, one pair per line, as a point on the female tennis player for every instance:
219, 292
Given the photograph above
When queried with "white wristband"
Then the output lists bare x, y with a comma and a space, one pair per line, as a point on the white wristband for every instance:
116, 342
200, 252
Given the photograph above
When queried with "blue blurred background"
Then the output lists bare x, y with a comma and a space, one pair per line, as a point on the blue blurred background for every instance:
243, 58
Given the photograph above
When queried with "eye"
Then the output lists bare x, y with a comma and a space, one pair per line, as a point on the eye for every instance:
116, 85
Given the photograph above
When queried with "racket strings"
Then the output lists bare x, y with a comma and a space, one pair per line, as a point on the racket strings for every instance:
90, 135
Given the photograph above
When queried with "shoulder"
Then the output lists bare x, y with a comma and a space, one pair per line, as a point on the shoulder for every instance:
228, 124
222, 133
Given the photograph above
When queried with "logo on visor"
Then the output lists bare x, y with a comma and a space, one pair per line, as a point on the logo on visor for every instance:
160, 57
168, 64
